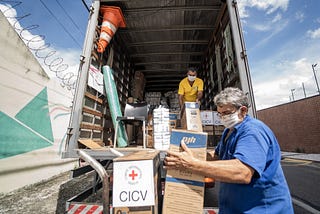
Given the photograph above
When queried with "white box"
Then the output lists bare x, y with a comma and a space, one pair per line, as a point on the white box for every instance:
207, 117
216, 119
191, 119
135, 178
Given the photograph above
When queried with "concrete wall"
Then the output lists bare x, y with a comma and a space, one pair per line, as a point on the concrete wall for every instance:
296, 124
34, 116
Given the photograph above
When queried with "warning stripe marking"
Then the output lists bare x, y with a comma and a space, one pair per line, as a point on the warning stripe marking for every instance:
85, 209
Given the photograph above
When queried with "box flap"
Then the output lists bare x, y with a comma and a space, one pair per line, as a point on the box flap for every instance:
146, 154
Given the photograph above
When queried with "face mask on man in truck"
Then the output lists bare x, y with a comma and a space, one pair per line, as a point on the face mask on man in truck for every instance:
191, 78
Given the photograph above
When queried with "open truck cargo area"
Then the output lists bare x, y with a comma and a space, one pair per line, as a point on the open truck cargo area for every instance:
148, 51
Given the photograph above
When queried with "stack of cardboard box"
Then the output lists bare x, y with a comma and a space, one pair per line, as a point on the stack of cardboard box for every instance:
212, 125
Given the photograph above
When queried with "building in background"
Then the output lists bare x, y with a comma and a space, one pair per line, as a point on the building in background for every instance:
296, 124
34, 116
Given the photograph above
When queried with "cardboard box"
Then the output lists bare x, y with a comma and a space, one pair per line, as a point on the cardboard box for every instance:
133, 210
136, 182
184, 190
191, 119
209, 129
216, 119
150, 143
207, 117
218, 130
173, 115
173, 124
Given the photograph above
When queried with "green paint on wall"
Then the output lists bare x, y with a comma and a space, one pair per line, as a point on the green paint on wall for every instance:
36, 115
16, 139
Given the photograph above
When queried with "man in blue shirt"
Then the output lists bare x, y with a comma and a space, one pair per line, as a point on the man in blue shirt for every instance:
246, 161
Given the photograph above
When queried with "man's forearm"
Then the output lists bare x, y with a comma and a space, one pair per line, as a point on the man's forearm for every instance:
199, 95
180, 100
231, 171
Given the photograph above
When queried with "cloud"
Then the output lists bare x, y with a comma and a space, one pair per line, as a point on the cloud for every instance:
61, 65
287, 68
272, 24
277, 18
269, 6
273, 84
314, 34
261, 27
274, 30
286, 65
299, 16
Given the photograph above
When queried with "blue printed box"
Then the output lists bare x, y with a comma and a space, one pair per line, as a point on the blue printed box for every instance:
184, 184
173, 116
196, 142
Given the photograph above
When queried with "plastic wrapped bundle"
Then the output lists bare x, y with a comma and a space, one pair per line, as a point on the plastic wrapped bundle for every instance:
114, 105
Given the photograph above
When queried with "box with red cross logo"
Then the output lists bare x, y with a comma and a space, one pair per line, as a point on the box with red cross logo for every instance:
206, 117
136, 181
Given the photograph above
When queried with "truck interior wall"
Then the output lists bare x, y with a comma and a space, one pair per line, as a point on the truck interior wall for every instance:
219, 69
241, 55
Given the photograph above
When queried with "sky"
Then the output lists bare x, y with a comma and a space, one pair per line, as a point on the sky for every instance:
282, 40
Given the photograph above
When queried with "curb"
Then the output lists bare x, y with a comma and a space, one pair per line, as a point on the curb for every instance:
310, 157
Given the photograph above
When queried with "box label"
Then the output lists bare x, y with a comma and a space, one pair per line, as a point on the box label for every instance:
133, 183
216, 119
191, 139
207, 117
95, 79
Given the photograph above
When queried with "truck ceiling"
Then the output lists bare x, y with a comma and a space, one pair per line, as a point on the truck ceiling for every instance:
165, 37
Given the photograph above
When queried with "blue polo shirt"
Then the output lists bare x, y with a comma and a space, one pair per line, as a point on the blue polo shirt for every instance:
254, 144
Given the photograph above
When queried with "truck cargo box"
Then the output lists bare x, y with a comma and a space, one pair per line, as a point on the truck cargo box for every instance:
149, 46
150, 51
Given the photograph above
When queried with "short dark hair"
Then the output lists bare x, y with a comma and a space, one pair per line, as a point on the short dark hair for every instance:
193, 69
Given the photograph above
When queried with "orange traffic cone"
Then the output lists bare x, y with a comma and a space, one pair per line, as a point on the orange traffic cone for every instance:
112, 19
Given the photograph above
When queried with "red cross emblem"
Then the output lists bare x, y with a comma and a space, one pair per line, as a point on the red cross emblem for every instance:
133, 175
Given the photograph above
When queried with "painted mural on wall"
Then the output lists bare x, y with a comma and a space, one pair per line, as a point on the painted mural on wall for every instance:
29, 130
34, 116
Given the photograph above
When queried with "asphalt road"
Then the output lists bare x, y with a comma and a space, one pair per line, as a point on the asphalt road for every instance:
303, 178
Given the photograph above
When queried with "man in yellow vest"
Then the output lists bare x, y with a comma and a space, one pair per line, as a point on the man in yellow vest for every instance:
190, 88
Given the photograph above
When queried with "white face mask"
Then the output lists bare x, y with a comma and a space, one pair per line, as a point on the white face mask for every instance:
192, 78
230, 120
